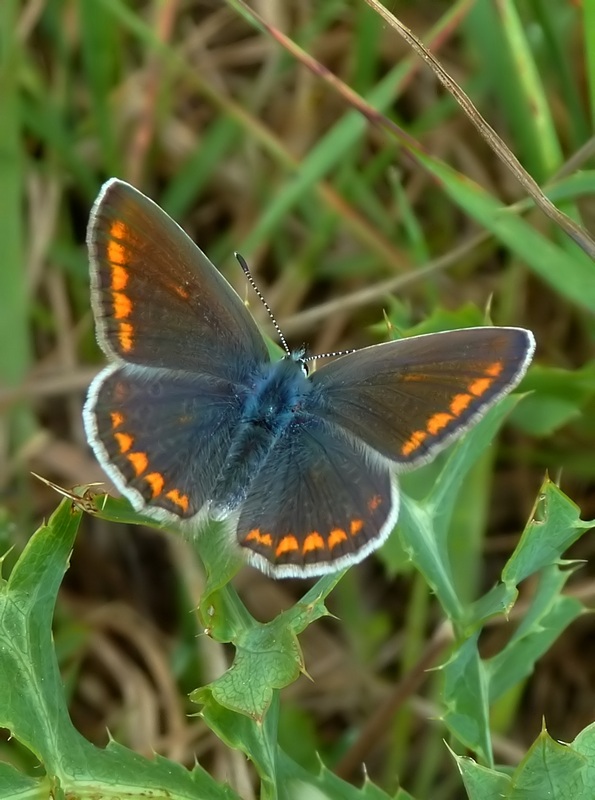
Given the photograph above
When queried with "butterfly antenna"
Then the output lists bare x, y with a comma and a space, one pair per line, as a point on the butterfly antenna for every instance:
329, 355
248, 274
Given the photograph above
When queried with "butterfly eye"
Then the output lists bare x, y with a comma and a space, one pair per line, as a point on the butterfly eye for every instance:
304, 367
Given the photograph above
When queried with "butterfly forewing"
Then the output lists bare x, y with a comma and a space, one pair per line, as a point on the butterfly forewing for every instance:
158, 300
409, 398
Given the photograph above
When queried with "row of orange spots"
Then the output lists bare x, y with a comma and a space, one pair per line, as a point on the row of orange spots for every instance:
116, 251
118, 258
140, 463
458, 404
313, 541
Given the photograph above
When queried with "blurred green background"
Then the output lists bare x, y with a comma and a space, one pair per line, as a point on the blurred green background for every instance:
351, 239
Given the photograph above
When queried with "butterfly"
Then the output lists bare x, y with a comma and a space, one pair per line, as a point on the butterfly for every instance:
192, 420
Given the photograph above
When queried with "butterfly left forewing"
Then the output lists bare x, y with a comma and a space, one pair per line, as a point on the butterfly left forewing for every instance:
158, 300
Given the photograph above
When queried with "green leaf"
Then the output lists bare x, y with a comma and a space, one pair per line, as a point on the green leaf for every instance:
119, 509
554, 397
499, 600
462, 457
15, 785
550, 770
542, 544
101, 48
416, 531
482, 783
466, 699
543, 416
549, 614
584, 745
554, 526
469, 683
298, 784
268, 656
36, 713
256, 740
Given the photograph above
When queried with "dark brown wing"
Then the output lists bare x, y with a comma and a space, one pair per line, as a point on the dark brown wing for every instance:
158, 300
410, 398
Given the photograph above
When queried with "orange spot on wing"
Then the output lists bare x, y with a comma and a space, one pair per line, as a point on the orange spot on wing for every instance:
119, 277
126, 336
155, 481
118, 229
414, 442
437, 422
335, 537
124, 440
495, 369
459, 403
313, 541
480, 386
181, 291
178, 499
356, 526
120, 391
374, 502
139, 462
413, 376
117, 419
287, 545
122, 305
264, 539
116, 254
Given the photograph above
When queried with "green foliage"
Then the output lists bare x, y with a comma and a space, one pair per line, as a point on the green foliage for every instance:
549, 769
242, 705
32, 702
325, 210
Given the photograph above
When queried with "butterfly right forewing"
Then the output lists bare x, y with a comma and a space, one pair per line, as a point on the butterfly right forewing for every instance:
408, 399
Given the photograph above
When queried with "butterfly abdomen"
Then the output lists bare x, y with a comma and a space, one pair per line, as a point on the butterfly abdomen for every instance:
269, 408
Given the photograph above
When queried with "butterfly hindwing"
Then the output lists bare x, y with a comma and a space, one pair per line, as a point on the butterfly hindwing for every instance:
318, 503
162, 437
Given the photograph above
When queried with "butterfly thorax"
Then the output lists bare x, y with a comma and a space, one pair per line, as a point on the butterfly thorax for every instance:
273, 402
